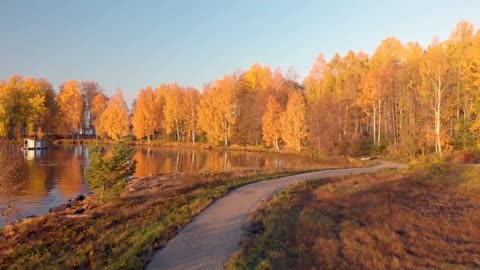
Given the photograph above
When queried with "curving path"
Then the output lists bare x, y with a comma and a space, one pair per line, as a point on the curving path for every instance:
210, 238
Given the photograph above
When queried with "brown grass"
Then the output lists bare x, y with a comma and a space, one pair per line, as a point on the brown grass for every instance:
385, 221
121, 234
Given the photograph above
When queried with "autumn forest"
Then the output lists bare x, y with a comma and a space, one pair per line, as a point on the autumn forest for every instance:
403, 98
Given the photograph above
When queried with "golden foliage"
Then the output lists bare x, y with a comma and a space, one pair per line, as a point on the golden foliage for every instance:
114, 120
293, 121
272, 130
402, 97
70, 105
98, 106
216, 110
146, 114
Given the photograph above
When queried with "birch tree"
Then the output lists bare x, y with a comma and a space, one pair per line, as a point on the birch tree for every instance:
71, 104
294, 128
146, 114
435, 74
271, 127
114, 121
216, 110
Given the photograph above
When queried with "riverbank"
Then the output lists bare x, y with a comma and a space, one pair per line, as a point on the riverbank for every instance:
121, 234
426, 217
206, 146
159, 143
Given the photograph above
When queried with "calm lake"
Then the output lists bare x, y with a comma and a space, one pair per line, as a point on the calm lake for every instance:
47, 178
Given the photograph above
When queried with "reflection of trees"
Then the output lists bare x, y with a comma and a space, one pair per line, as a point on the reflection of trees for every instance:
62, 167
11, 180
163, 160
70, 170
35, 180
216, 161
147, 162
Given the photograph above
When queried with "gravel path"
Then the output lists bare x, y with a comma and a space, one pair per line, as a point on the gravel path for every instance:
208, 241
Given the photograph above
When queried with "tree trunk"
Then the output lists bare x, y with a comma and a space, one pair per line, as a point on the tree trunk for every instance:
345, 120
178, 131
438, 123
438, 106
225, 133
379, 121
275, 143
374, 126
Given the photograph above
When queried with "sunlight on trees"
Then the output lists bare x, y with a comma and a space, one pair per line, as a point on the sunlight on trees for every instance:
114, 121
272, 129
146, 114
70, 108
293, 121
404, 99
217, 111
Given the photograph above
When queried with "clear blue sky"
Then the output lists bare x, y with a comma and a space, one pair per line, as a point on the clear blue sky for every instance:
132, 44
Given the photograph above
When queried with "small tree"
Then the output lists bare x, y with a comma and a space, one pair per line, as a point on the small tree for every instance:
107, 176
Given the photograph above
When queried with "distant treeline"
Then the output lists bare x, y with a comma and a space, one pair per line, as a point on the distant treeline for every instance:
403, 98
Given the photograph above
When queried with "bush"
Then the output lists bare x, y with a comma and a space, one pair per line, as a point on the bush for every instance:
107, 176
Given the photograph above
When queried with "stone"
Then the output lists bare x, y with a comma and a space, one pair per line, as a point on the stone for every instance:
79, 211
60, 208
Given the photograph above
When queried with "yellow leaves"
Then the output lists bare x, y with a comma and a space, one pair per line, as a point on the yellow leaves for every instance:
114, 120
314, 79
146, 114
71, 105
389, 50
462, 33
258, 77
434, 69
216, 110
174, 110
272, 129
192, 97
98, 106
177, 108
23, 102
293, 121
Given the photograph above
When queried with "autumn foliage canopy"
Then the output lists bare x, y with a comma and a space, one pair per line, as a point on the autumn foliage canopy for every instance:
403, 98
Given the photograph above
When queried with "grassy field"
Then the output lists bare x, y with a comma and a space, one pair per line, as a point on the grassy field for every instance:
424, 218
121, 234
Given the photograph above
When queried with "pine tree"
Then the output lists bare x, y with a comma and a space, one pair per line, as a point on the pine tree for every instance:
108, 176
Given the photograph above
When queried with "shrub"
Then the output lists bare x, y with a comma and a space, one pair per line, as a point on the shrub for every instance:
107, 176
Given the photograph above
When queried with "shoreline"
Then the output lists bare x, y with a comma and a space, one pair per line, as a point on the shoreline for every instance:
148, 213
306, 152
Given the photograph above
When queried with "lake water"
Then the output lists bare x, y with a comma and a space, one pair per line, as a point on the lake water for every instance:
47, 178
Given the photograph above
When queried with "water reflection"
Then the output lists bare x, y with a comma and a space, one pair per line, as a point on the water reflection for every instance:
50, 177
34, 154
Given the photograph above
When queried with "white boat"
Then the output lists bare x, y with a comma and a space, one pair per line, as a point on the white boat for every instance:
34, 144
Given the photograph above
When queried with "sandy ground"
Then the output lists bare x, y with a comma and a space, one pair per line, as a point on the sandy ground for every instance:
209, 240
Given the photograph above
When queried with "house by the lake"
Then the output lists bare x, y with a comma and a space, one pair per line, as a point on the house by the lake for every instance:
34, 144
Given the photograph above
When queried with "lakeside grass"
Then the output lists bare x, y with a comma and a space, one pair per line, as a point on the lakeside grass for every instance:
122, 234
426, 217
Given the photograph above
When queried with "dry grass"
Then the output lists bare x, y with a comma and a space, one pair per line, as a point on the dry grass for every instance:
382, 221
121, 234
